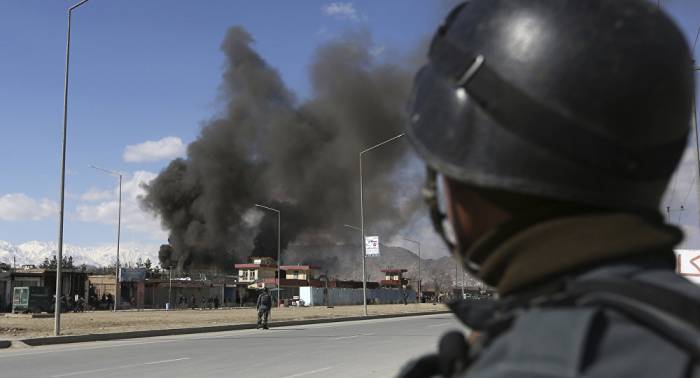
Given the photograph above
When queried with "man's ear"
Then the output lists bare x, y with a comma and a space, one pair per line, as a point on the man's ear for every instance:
471, 214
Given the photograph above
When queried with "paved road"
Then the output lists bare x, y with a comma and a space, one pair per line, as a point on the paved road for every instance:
366, 348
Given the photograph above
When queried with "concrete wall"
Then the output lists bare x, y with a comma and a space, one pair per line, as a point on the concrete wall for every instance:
104, 284
155, 296
313, 296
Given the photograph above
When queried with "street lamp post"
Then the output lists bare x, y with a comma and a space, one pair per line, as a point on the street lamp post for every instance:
420, 297
463, 279
117, 287
695, 118
362, 220
279, 277
59, 252
170, 288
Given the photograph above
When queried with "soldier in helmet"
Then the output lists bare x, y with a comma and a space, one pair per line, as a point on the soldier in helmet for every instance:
264, 304
554, 128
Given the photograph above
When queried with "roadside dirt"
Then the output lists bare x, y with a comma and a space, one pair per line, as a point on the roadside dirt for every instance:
107, 322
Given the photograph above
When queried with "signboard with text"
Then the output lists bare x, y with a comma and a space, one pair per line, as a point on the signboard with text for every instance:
132, 274
372, 246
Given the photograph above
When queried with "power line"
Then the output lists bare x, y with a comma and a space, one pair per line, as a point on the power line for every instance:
690, 188
672, 194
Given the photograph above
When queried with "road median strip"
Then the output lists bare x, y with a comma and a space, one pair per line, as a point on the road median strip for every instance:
52, 340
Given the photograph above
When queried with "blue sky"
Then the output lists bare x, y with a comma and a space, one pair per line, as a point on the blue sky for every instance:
147, 70
141, 71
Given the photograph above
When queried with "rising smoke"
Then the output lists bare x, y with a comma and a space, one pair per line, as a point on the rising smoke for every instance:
302, 158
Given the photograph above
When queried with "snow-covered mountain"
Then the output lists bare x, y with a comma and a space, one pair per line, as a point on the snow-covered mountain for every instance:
34, 252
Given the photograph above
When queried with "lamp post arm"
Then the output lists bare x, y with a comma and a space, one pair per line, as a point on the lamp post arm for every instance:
353, 227
77, 5
108, 171
268, 208
382, 143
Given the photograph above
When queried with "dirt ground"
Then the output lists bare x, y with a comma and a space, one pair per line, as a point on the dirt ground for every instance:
107, 322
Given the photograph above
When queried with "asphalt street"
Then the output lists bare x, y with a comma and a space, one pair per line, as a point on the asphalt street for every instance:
364, 348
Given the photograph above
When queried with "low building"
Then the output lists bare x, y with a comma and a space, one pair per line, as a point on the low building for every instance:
394, 278
257, 269
180, 292
73, 282
261, 273
300, 272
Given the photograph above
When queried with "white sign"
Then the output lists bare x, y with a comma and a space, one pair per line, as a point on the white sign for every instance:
688, 264
372, 245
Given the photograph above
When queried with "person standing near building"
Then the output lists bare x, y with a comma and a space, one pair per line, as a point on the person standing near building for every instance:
555, 127
264, 304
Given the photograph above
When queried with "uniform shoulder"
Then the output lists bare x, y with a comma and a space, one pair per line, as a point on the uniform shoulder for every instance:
578, 341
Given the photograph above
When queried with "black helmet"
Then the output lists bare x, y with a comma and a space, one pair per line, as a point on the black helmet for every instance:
579, 101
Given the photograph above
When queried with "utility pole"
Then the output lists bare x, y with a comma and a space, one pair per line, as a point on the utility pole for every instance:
279, 262
117, 287
362, 222
170, 287
695, 125
59, 252
463, 278
420, 297
456, 268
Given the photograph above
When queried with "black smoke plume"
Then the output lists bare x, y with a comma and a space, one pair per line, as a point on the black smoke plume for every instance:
299, 157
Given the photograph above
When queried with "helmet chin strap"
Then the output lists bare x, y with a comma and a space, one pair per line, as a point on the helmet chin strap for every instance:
438, 218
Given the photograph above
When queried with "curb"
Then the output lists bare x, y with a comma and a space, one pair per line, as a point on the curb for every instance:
52, 340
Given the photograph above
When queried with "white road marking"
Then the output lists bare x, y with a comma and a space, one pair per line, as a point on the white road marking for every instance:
90, 345
120, 367
165, 361
72, 348
439, 325
309, 372
353, 336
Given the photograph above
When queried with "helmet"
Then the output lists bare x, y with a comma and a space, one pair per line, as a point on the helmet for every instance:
579, 101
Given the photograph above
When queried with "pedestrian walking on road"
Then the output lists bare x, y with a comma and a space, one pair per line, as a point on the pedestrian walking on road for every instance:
263, 306
554, 128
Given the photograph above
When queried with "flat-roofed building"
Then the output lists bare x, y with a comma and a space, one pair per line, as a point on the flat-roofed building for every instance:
300, 272
394, 277
257, 270
74, 281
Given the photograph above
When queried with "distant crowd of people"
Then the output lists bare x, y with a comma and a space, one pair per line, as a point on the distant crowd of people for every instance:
105, 302
210, 302
71, 303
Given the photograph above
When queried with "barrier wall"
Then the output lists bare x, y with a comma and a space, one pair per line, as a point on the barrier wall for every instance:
314, 296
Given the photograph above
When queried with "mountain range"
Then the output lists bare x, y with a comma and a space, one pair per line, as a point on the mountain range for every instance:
34, 252
341, 261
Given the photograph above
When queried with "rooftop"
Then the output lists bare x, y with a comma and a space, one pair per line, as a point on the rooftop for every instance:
253, 266
300, 267
391, 270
